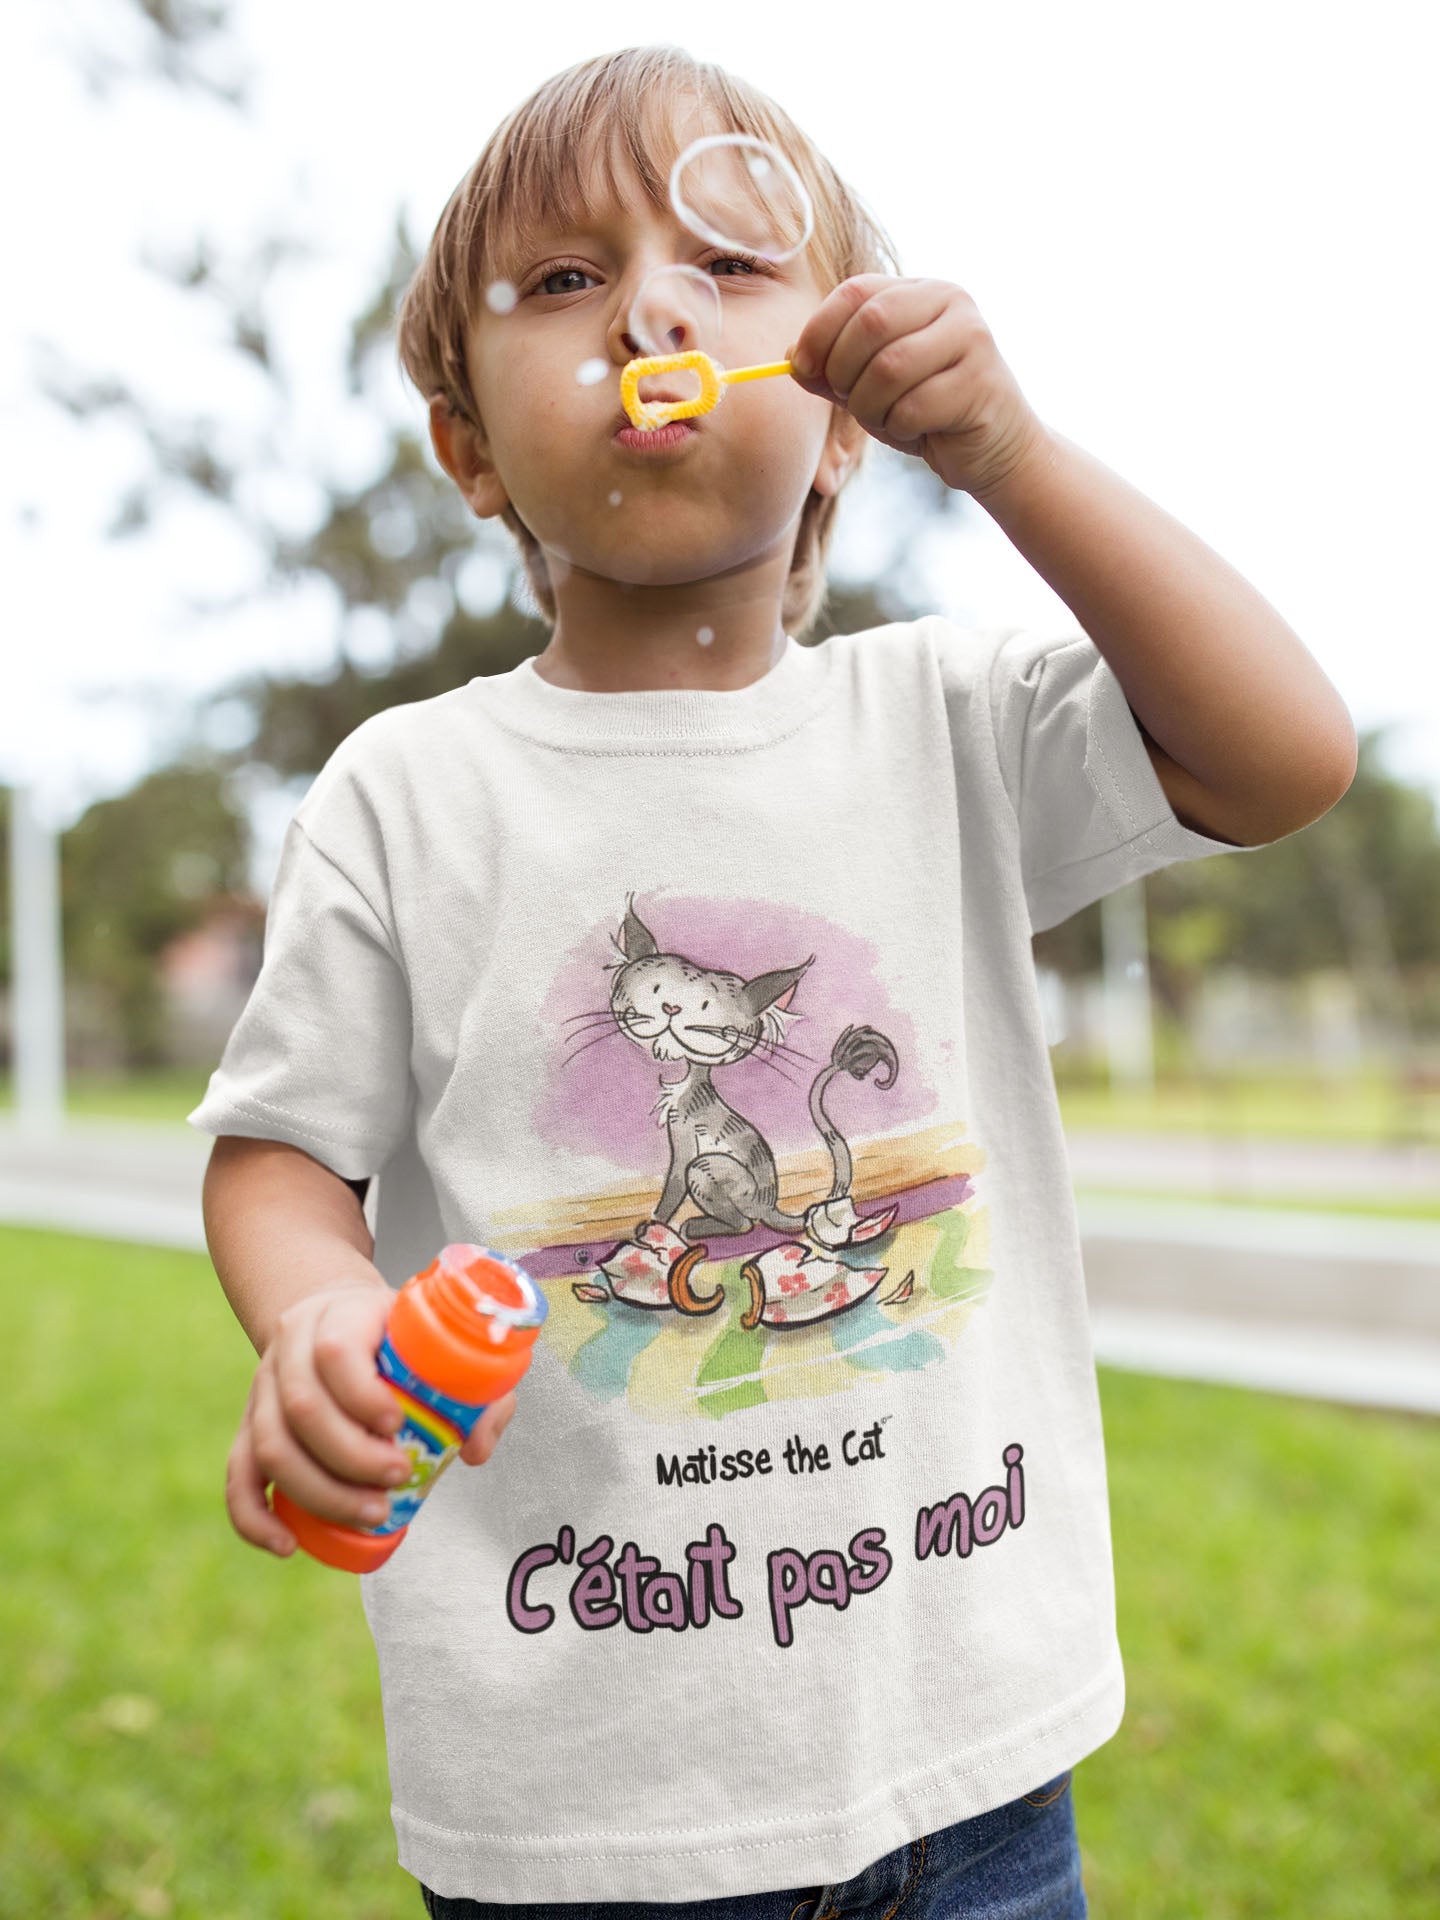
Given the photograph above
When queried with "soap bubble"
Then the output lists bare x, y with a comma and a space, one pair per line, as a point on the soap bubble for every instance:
736, 191
705, 636
501, 297
675, 310
589, 371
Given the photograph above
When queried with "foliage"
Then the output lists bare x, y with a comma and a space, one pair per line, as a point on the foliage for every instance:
1359, 889
135, 872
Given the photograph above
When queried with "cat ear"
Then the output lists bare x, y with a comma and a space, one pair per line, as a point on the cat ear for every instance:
772, 989
636, 940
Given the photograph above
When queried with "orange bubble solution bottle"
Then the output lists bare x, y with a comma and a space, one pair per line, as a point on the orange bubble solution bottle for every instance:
458, 1337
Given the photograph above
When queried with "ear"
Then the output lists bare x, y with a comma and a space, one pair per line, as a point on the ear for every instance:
837, 456
461, 448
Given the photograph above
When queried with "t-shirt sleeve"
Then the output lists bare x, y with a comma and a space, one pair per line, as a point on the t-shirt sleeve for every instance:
1092, 812
320, 1056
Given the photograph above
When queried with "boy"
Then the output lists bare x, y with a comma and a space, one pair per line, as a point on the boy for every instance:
691, 967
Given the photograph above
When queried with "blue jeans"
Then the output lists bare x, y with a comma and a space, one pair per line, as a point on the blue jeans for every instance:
1017, 1862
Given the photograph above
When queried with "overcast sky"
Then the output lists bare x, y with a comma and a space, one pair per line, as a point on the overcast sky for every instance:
1203, 239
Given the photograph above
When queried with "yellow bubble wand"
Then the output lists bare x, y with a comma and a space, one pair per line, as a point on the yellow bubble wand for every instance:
648, 414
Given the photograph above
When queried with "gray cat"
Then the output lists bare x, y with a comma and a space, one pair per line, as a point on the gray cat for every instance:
678, 1010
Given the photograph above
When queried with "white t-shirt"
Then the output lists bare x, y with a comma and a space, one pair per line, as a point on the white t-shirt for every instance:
718, 1011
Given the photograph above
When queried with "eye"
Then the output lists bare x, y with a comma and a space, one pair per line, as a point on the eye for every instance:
703, 1005
746, 260
566, 270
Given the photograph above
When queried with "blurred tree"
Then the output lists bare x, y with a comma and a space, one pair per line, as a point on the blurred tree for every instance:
135, 872
185, 42
1357, 889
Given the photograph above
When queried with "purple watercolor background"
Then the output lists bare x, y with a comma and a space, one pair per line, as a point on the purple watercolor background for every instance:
599, 1100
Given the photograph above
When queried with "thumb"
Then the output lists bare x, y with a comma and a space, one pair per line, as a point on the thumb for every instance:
484, 1436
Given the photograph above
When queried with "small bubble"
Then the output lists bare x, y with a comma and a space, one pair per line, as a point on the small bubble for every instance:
705, 636
501, 297
589, 371
616, 498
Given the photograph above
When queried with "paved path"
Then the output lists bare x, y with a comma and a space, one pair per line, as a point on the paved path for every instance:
1326, 1305
1231, 1167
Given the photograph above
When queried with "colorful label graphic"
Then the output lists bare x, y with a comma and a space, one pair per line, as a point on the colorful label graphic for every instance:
432, 1433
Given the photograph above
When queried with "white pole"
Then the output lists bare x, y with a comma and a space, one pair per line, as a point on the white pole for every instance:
1129, 1042
37, 1000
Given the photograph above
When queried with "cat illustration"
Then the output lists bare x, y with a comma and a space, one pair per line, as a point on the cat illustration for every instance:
679, 1010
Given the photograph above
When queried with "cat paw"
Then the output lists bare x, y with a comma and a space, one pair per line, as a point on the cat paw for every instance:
835, 1223
792, 1285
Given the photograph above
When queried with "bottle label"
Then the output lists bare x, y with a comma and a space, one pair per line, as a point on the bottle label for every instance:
432, 1432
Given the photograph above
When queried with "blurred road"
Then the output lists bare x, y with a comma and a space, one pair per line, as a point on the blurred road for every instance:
1331, 1306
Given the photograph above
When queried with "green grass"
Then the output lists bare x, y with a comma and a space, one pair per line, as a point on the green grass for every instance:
160, 1096
1365, 1107
1276, 1583
1400, 1206
193, 1728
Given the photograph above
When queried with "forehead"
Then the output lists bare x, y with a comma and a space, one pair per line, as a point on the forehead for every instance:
612, 165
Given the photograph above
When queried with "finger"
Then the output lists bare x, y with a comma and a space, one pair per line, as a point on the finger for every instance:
823, 328
346, 1340
245, 1500
882, 322
914, 361
343, 1445
485, 1435
941, 404
284, 1458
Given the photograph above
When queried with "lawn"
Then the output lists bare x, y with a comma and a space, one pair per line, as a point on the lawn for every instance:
1369, 1106
192, 1728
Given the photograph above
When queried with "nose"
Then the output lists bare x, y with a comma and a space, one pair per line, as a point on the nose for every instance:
665, 1007
672, 332
675, 339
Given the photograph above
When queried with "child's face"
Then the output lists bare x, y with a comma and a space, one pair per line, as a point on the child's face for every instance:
724, 501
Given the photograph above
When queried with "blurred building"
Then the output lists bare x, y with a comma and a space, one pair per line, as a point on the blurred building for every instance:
207, 975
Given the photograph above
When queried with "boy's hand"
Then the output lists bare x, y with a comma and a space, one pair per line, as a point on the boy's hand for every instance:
915, 364
317, 1417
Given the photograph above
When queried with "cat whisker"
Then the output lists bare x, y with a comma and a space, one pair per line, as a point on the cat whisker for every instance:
590, 1013
735, 1033
761, 1041
597, 1020
585, 1045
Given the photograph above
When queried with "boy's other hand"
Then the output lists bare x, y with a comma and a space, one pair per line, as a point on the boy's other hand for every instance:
915, 364
318, 1417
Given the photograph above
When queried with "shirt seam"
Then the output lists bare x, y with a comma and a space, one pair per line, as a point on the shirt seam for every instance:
1144, 834
238, 1102
697, 748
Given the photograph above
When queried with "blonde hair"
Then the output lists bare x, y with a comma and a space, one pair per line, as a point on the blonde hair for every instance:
530, 172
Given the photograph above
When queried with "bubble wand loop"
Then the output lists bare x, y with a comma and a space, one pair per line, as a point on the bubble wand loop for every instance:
648, 414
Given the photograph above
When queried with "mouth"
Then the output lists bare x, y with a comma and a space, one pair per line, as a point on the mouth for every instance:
653, 441
623, 421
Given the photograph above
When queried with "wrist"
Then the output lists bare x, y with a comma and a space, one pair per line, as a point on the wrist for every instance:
1032, 450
